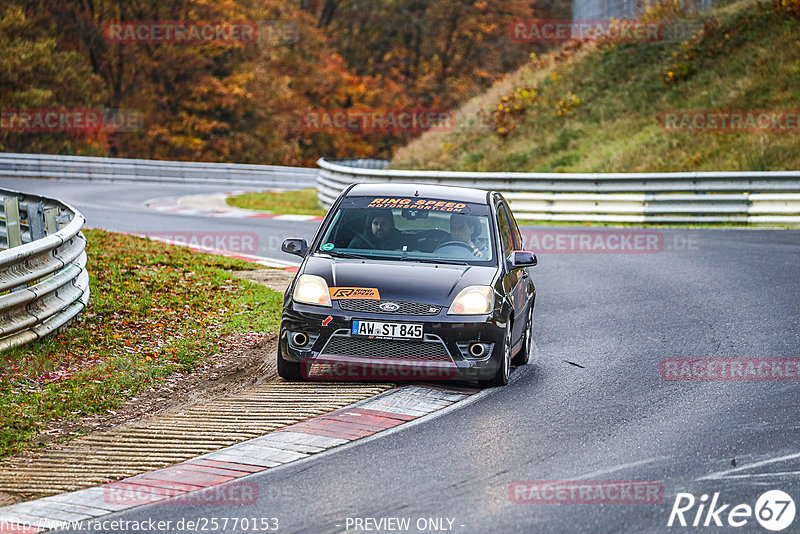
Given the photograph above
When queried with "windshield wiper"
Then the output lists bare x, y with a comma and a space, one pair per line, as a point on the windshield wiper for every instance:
338, 254
446, 262
349, 255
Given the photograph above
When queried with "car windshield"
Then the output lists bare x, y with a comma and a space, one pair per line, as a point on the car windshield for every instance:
411, 229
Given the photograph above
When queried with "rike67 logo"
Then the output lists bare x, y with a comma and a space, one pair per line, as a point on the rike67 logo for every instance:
774, 510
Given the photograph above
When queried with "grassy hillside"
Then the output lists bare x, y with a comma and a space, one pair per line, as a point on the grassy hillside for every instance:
598, 107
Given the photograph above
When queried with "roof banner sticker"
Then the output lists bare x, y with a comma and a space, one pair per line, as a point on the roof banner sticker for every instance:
414, 203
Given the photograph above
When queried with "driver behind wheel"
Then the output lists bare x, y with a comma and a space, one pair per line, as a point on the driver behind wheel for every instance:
466, 229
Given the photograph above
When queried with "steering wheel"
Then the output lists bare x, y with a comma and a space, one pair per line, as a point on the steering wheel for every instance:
428, 240
455, 243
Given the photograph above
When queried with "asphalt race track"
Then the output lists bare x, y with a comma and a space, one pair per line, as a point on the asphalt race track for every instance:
594, 408
121, 207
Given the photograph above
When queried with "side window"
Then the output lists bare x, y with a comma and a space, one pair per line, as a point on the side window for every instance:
518, 245
506, 233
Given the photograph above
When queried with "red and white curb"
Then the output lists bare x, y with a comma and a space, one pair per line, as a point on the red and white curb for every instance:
207, 478
174, 205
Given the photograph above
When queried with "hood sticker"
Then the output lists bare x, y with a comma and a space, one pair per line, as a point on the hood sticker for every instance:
344, 293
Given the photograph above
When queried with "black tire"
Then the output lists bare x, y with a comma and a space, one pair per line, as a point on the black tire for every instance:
288, 370
500, 378
524, 354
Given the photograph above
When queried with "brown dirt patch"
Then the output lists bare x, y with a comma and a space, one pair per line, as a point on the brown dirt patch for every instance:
275, 279
246, 360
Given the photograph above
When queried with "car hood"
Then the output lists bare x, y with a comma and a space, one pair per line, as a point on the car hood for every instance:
406, 281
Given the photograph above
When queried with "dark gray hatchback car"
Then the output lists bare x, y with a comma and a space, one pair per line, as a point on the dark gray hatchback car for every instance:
410, 282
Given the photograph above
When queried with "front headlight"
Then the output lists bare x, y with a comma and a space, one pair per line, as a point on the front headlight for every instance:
312, 289
473, 300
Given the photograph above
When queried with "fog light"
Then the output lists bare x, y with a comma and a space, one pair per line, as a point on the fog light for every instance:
477, 350
299, 339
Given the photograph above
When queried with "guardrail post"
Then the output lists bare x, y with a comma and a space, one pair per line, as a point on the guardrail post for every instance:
50, 225
13, 230
35, 219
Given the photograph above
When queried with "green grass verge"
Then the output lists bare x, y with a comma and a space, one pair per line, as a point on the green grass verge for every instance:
303, 202
155, 310
598, 108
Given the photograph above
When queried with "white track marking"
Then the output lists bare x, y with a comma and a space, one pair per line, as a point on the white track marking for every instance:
724, 474
620, 467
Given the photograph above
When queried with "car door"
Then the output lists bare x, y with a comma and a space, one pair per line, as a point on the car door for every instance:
513, 281
526, 288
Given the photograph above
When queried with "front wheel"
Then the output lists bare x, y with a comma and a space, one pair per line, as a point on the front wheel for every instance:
288, 370
500, 378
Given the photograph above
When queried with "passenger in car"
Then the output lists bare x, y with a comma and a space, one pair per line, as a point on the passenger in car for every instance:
379, 233
467, 229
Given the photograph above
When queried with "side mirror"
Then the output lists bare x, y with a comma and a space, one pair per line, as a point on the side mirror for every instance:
296, 246
523, 258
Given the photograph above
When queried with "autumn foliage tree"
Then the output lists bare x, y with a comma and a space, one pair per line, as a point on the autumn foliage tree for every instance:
440, 50
36, 74
245, 101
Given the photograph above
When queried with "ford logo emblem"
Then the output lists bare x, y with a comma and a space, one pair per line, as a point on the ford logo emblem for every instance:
389, 306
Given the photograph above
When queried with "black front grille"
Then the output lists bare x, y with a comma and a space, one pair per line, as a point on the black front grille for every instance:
432, 351
373, 306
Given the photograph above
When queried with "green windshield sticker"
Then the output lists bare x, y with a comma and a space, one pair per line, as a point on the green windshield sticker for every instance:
327, 246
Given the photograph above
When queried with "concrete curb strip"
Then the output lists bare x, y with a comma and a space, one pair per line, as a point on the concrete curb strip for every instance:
186, 482
174, 436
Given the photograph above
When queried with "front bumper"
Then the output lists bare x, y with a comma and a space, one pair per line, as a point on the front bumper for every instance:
333, 353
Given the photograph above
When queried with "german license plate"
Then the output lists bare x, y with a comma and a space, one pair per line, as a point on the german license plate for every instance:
387, 330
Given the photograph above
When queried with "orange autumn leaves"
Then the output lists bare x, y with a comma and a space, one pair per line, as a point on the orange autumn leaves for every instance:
244, 101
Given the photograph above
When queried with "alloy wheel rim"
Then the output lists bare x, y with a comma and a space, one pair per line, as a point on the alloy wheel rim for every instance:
529, 334
507, 356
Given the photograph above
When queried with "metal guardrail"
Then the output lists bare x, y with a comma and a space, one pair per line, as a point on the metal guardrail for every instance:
43, 279
678, 197
145, 170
